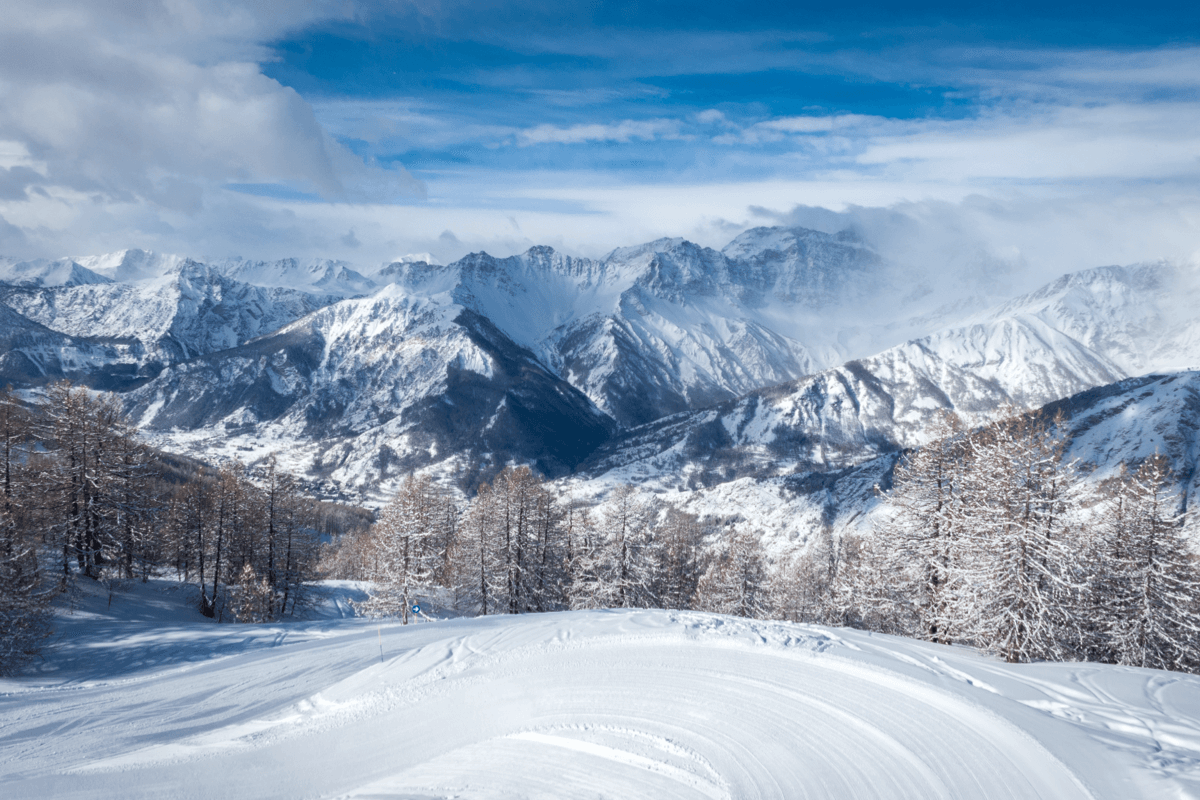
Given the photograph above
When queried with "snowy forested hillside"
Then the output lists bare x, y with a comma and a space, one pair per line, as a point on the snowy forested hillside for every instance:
1120, 423
621, 703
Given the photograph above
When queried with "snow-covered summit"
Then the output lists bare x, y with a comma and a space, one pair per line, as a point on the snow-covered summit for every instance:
43, 272
318, 276
190, 309
125, 266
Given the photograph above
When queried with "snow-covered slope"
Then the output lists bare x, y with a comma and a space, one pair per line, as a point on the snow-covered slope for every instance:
31, 355
1133, 419
190, 310
1140, 318
42, 272
854, 412
135, 703
317, 276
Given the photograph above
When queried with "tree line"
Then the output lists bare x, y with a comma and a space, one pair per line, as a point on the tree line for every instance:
85, 498
987, 537
991, 538
520, 546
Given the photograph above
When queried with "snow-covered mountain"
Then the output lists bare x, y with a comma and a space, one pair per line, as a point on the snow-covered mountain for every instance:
32, 354
787, 352
642, 332
43, 272
377, 386
667, 326
190, 310
1085, 330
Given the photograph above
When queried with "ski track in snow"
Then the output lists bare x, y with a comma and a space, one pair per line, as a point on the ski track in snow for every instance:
614, 704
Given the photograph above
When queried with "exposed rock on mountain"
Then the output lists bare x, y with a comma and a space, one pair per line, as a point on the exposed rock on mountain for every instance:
32, 355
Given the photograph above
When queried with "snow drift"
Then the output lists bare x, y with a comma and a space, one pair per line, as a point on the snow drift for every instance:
144, 699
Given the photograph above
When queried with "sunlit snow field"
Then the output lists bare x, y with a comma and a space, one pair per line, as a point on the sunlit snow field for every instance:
145, 698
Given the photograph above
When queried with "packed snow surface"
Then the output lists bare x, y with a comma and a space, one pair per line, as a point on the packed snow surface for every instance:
144, 699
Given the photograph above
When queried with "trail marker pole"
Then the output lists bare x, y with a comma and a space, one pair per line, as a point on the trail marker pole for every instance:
380, 631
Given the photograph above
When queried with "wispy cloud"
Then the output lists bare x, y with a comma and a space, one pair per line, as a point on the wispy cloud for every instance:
624, 131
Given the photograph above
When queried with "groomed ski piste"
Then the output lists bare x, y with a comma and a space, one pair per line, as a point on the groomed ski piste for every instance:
145, 698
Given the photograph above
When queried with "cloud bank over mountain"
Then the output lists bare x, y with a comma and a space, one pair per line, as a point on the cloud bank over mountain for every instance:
1022, 138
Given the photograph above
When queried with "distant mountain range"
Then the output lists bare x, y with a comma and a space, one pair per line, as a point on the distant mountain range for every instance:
788, 353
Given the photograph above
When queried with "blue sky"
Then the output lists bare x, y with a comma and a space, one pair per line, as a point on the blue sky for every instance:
1056, 134
682, 91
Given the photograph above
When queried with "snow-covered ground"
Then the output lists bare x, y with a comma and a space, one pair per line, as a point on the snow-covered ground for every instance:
144, 698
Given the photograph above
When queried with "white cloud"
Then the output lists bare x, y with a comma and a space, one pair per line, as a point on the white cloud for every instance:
146, 100
1120, 141
623, 131
784, 128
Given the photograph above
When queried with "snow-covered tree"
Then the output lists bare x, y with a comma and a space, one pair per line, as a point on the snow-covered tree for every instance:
736, 579
478, 579
404, 536
288, 545
549, 570
251, 598
982, 538
1152, 583
88, 482
1020, 575
801, 579
23, 602
679, 538
617, 570
921, 537
515, 491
